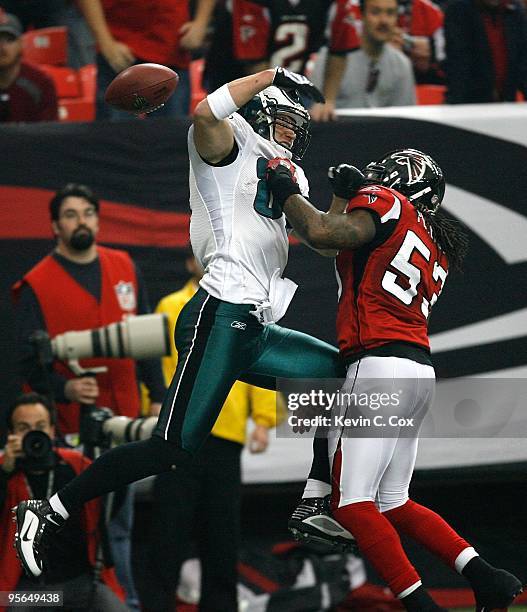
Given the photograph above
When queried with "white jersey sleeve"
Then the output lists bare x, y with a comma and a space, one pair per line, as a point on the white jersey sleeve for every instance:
302, 181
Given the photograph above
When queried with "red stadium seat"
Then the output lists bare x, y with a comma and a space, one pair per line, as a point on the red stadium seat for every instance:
46, 46
430, 94
88, 80
76, 109
66, 81
197, 93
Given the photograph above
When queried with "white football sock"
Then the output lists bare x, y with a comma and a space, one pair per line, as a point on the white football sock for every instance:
58, 506
464, 557
316, 488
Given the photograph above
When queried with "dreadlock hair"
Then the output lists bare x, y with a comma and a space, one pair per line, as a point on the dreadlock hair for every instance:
449, 235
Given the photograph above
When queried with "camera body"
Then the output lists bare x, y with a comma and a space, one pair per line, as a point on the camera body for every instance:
100, 428
37, 445
38, 452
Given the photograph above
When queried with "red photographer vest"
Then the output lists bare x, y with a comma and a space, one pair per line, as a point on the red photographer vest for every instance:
67, 306
10, 568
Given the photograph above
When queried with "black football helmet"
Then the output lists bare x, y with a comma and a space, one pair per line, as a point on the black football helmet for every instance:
272, 107
411, 172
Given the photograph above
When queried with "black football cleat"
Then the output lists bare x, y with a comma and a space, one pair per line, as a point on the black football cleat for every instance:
500, 590
36, 521
312, 523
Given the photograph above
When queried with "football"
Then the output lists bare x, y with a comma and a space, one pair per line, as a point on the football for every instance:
141, 88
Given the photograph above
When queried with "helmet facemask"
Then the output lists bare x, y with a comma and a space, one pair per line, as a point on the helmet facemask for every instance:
273, 107
413, 173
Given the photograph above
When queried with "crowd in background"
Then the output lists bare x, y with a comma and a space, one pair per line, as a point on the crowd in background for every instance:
367, 53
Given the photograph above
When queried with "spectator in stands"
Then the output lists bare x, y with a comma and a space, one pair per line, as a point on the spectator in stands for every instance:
72, 565
207, 494
102, 286
375, 75
134, 31
420, 35
252, 36
486, 45
47, 13
26, 93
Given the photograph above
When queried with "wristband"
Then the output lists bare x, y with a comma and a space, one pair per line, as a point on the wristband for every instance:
221, 103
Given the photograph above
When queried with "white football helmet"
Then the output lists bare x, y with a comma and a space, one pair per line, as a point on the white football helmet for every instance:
272, 107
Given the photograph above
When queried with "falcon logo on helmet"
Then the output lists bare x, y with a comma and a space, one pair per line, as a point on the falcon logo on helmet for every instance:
272, 107
411, 172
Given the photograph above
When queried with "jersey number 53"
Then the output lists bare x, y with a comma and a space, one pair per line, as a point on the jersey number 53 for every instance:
401, 262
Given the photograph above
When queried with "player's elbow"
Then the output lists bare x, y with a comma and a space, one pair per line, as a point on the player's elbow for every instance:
202, 113
316, 237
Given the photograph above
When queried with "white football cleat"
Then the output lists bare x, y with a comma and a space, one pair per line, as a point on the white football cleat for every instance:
36, 521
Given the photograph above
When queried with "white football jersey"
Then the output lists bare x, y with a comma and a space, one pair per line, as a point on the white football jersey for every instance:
232, 230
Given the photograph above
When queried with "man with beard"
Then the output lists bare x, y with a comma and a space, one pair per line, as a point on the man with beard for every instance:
82, 285
26, 93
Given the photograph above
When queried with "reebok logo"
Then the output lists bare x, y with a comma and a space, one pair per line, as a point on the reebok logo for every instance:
239, 325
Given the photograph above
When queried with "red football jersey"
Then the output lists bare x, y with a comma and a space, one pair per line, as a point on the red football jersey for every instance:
251, 27
346, 27
422, 18
387, 287
284, 32
150, 29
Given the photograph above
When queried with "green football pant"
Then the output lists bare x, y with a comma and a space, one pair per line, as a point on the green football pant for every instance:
219, 343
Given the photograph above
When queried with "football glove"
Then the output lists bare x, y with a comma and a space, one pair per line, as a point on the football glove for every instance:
345, 180
287, 80
281, 179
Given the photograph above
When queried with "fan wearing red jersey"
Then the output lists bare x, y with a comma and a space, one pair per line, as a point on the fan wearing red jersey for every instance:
394, 252
252, 35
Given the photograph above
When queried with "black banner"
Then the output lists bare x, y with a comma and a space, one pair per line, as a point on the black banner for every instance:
140, 171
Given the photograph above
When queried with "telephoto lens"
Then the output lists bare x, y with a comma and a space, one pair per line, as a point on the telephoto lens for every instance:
123, 429
139, 337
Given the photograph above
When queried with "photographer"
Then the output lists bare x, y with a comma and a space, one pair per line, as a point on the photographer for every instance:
29, 468
82, 285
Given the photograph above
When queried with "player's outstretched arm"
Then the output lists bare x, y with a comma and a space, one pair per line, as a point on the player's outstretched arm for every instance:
331, 230
337, 207
213, 135
331, 253
326, 230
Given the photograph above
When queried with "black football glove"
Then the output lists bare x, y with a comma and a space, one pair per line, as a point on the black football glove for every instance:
345, 180
287, 80
281, 179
